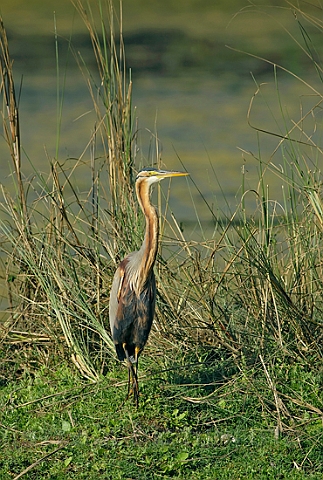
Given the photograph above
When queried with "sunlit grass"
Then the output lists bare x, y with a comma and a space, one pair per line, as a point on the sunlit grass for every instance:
56, 426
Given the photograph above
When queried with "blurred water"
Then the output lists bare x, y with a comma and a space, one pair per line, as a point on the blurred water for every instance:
203, 121
191, 90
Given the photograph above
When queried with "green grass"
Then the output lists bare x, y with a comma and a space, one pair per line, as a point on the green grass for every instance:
231, 378
75, 429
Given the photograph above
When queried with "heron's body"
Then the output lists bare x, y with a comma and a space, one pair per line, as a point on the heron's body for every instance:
133, 291
132, 315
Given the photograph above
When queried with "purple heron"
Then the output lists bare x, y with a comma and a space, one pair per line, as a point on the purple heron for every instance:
133, 291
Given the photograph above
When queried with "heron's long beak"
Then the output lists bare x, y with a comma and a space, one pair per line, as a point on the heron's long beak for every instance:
164, 174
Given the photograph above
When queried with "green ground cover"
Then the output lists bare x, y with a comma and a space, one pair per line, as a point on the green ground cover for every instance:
61, 427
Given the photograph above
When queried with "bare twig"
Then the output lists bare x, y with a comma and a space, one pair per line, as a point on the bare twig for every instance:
33, 465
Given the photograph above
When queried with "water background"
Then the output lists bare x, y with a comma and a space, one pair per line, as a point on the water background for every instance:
189, 88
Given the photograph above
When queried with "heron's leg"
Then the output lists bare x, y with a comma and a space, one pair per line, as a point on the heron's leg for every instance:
135, 377
129, 380
132, 377
137, 351
129, 366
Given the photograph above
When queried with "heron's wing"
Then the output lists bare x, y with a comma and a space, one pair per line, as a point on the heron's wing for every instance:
123, 303
145, 312
115, 294
131, 314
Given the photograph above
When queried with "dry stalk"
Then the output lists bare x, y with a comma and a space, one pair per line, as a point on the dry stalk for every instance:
10, 114
278, 402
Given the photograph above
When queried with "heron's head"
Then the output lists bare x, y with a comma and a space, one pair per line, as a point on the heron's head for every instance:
150, 175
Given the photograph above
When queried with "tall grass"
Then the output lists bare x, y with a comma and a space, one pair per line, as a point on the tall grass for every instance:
245, 306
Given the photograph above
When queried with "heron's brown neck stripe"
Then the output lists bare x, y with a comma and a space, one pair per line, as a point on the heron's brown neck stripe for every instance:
150, 243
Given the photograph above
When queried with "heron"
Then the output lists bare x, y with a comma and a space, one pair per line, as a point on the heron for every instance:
133, 291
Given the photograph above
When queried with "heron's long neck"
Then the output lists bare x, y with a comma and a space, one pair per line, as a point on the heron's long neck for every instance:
148, 250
